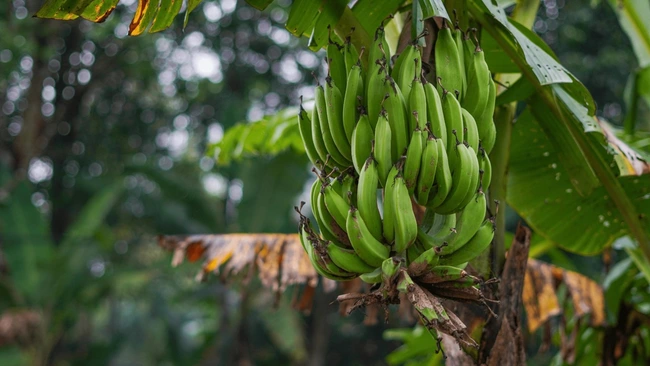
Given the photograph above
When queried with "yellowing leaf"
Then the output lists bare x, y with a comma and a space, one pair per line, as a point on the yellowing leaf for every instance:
278, 259
540, 298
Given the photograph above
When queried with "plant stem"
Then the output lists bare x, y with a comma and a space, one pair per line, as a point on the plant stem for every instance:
500, 158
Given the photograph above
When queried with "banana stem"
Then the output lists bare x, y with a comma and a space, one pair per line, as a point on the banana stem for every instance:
500, 158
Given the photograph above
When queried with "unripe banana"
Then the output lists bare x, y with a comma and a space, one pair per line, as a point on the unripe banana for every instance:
348, 260
454, 123
485, 122
428, 167
406, 226
468, 223
458, 39
443, 228
362, 138
336, 205
443, 273
319, 143
367, 198
350, 55
324, 221
378, 50
383, 150
474, 247
369, 249
470, 130
443, 181
396, 109
486, 166
478, 77
426, 261
435, 116
413, 160
448, 66
318, 262
413, 252
407, 67
389, 207
417, 106
304, 126
353, 92
375, 91
336, 62
325, 129
334, 109
389, 269
465, 176
372, 277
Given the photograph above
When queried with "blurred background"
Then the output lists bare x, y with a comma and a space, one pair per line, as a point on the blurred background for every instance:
102, 147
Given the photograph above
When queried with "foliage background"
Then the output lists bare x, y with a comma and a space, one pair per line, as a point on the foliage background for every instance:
102, 148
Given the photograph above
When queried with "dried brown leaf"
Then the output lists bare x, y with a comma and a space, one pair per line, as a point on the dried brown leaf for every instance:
541, 302
278, 259
539, 297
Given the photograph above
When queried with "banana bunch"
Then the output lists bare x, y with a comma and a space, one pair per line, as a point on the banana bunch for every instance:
385, 136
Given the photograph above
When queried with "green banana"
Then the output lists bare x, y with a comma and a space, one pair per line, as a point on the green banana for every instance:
443, 180
417, 106
383, 150
348, 260
442, 273
389, 209
454, 123
304, 126
443, 228
319, 263
486, 166
474, 247
470, 129
375, 91
367, 198
317, 138
413, 160
328, 226
413, 252
325, 129
336, 63
369, 249
389, 268
485, 122
458, 39
435, 115
406, 226
478, 77
427, 260
464, 176
407, 65
353, 91
350, 55
428, 167
372, 277
334, 109
362, 138
448, 67
468, 223
336, 205
396, 110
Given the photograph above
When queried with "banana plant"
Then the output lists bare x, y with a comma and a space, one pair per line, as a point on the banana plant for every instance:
591, 195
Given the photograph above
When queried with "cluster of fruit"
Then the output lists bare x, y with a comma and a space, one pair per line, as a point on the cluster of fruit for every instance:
386, 140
